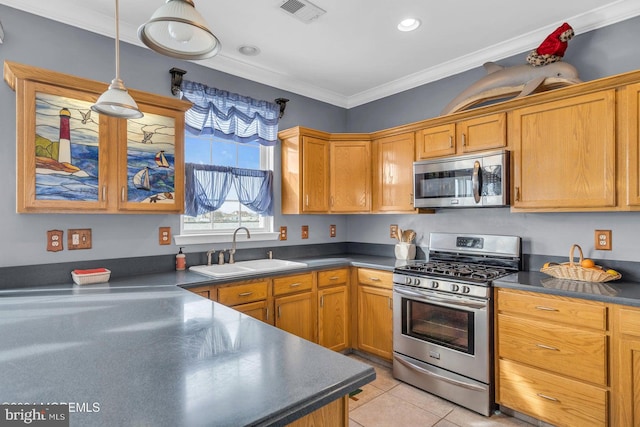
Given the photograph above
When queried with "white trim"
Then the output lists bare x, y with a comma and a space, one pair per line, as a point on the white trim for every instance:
199, 239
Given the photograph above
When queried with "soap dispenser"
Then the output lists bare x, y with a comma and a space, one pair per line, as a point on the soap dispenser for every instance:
181, 260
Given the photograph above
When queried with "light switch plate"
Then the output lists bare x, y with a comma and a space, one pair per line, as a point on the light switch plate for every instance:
283, 233
603, 240
305, 231
79, 238
332, 230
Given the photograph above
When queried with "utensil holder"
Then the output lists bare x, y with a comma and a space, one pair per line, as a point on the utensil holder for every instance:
405, 251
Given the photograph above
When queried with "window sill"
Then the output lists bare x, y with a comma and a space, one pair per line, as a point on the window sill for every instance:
198, 239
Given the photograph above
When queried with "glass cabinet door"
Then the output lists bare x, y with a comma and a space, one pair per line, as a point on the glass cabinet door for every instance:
151, 161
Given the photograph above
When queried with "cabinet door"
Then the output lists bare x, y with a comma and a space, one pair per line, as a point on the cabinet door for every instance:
315, 175
350, 176
626, 366
564, 153
333, 317
482, 133
63, 150
375, 307
151, 163
436, 141
294, 314
633, 147
393, 173
258, 310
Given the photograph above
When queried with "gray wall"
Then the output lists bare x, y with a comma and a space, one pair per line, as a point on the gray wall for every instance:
40, 42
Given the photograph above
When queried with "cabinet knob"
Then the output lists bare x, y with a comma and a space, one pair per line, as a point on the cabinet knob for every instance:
450, 141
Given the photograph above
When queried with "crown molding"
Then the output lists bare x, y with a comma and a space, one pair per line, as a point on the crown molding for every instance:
89, 20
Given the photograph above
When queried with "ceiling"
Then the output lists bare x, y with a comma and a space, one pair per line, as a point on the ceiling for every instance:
353, 54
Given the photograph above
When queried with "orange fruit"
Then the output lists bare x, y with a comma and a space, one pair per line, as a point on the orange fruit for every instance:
587, 263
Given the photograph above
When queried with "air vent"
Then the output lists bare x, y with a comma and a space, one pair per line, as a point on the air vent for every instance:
302, 9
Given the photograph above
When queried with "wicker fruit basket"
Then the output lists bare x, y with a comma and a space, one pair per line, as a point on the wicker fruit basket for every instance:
574, 271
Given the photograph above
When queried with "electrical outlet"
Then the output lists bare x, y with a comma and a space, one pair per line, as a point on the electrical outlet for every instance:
603, 240
283, 233
79, 238
393, 231
332, 230
164, 235
305, 231
54, 240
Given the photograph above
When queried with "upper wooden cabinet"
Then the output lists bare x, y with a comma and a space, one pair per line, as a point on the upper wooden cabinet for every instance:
631, 154
465, 136
564, 153
317, 165
393, 158
72, 159
350, 183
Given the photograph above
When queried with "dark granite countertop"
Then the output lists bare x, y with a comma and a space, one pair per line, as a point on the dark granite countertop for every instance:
616, 291
161, 356
146, 352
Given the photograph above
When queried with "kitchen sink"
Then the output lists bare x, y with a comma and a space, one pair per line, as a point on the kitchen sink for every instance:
243, 268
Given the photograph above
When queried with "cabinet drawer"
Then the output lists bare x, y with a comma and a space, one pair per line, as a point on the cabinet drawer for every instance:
291, 284
551, 398
582, 313
241, 294
381, 279
333, 277
568, 351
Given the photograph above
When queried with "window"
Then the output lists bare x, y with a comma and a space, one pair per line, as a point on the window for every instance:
208, 150
229, 141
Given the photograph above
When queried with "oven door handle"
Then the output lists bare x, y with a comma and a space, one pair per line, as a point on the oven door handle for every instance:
439, 377
452, 302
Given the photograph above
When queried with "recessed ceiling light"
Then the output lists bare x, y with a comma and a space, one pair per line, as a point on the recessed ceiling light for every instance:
409, 24
249, 50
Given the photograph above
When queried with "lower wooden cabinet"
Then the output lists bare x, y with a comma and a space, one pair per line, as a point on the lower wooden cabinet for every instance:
204, 291
333, 309
375, 312
626, 366
295, 310
258, 310
552, 358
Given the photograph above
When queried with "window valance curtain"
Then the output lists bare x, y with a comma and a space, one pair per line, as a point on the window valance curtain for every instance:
229, 115
207, 186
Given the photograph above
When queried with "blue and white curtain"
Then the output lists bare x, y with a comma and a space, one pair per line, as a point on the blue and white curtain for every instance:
229, 115
234, 117
207, 187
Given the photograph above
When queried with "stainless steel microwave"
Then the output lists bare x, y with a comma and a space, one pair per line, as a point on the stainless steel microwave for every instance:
474, 180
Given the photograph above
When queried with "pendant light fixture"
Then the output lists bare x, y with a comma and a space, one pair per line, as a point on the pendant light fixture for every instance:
178, 30
116, 101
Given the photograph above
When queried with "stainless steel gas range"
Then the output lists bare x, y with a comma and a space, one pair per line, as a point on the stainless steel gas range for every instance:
443, 316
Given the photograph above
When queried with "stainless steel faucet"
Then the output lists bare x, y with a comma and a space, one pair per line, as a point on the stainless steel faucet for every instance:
232, 251
209, 253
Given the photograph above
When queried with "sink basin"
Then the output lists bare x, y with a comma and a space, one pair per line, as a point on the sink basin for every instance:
243, 268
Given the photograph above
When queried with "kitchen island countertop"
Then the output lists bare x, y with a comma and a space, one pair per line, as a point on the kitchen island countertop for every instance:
131, 354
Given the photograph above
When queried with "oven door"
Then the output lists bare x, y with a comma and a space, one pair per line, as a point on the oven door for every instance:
463, 181
452, 332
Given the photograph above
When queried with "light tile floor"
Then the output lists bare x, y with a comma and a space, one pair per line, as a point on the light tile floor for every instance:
387, 402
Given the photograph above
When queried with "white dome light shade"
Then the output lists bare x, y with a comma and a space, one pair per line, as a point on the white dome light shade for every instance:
409, 24
176, 29
117, 102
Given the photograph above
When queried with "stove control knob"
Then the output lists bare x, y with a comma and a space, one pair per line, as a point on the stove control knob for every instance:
466, 290
435, 284
455, 288
416, 281
407, 280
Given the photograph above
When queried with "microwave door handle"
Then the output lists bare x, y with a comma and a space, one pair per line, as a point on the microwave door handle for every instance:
476, 180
